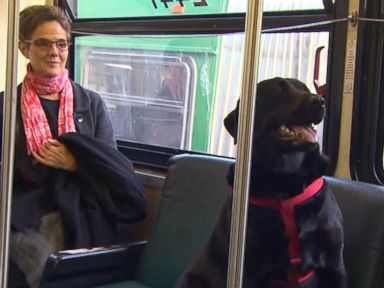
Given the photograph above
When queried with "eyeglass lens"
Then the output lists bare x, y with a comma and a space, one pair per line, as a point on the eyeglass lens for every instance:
45, 43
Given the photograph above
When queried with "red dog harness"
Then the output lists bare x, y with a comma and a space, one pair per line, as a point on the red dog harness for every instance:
286, 209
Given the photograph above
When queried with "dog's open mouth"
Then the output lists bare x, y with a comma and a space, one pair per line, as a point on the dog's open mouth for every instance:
297, 133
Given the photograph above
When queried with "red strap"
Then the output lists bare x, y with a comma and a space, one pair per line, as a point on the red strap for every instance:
286, 209
308, 192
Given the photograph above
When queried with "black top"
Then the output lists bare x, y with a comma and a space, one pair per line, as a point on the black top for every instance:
51, 110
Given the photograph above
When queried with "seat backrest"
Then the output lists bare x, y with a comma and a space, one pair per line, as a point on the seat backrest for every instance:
362, 206
193, 194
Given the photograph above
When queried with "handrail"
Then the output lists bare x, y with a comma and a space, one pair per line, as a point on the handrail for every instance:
245, 131
9, 124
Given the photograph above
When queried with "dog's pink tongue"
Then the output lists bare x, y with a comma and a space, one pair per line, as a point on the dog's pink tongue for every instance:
305, 133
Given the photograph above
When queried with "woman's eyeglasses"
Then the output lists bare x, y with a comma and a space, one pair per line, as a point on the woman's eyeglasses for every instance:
44, 44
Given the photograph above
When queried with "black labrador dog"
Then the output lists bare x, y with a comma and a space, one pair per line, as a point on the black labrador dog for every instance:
294, 228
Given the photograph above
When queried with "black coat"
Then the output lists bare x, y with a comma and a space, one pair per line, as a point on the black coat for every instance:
104, 192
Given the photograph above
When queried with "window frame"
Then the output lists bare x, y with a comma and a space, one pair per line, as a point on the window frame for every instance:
367, 141
335, 80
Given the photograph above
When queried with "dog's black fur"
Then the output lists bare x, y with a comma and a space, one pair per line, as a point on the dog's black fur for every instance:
283, 164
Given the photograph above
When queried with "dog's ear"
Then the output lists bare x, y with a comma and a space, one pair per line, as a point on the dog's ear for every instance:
230, 122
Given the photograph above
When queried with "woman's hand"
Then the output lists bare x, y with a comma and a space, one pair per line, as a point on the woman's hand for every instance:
56, 155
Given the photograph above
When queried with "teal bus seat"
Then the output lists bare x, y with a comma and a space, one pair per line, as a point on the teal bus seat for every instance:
362, 206
193, 194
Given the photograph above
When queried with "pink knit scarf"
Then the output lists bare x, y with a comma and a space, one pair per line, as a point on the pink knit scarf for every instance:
35, 122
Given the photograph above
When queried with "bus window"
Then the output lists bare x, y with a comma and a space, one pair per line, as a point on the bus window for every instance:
176, 93
86, 9
292, 5
146, 93
168, 92
122, 8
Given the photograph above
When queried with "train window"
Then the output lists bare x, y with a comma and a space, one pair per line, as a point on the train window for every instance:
175, 91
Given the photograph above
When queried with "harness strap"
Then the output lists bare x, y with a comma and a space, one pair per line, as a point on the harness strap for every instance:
287, 209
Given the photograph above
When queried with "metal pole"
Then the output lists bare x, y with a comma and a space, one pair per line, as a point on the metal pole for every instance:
245, 131
9, 124
343, 162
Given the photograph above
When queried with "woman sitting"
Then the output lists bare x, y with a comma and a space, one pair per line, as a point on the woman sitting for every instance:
72, 188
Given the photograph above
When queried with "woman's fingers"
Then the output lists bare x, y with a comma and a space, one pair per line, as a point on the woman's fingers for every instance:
53, 142
41, 159
56, 155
